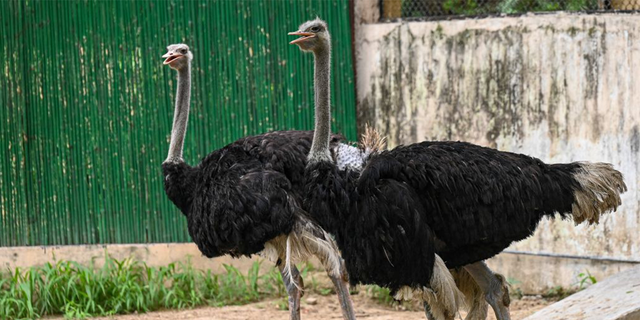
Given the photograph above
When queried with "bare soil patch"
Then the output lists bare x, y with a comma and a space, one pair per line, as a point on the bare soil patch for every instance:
318, 307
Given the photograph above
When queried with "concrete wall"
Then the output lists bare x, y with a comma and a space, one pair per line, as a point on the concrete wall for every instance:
155, 255
560, 87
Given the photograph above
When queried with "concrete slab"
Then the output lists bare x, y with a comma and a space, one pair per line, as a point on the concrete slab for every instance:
615, 298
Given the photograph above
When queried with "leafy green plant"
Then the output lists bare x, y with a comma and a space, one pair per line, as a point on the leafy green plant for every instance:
419, 8
282, 303
558, 293
381, 295
126, 286
466, 7
514, 290
325, 291
521, 6
586, 279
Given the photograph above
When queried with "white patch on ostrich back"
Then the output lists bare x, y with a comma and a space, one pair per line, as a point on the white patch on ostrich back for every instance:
443, 296
350, 157
599, 192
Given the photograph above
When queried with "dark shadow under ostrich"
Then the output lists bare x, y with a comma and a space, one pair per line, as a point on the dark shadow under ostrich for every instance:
413, 209
245, 198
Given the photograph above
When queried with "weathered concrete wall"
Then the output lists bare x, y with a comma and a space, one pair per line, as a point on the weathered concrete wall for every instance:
560, 87
159, 254
541, 274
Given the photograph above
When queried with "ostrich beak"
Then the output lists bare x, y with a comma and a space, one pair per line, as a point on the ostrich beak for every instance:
171, 57
303, 36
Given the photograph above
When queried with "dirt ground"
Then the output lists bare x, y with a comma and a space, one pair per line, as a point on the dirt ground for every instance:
317, 307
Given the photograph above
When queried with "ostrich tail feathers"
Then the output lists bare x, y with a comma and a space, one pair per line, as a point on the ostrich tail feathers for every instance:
600, 186
308, 239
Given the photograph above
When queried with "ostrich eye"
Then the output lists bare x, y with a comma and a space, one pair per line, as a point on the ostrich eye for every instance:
183, 51
315, 29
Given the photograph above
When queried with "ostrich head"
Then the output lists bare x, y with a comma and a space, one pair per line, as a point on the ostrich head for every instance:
314, 36
178, 56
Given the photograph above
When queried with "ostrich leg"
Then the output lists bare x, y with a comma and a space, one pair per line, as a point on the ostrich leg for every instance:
293, 289
341, 283
427, 311
431, 316
473, 295
494, 288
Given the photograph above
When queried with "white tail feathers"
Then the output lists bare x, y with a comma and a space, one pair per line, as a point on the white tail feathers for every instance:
443, 296
306, 240
599, 192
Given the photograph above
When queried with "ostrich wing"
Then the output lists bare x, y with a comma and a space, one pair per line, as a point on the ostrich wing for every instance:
476, 200
242, 209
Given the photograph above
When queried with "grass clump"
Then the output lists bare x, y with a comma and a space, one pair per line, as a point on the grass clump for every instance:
126, 286
558, 293
380, 295
586, 279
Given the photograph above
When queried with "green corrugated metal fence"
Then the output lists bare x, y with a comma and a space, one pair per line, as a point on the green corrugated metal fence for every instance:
87, 105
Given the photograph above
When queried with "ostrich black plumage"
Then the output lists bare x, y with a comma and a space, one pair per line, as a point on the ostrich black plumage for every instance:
409, 206
245, 198
385, 243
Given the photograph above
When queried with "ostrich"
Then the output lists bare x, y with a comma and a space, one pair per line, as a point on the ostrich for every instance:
245, 198
414, 209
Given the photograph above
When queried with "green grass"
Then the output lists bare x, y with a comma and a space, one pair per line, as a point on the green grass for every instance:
126, 286
586, 279
381, 295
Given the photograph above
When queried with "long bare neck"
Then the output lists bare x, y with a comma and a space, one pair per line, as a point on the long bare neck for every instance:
181, 115
322, 74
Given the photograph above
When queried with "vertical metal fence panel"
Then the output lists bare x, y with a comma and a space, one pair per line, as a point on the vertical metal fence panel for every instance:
87, 105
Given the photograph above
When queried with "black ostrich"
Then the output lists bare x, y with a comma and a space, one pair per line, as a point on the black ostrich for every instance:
245, 198
409, 206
